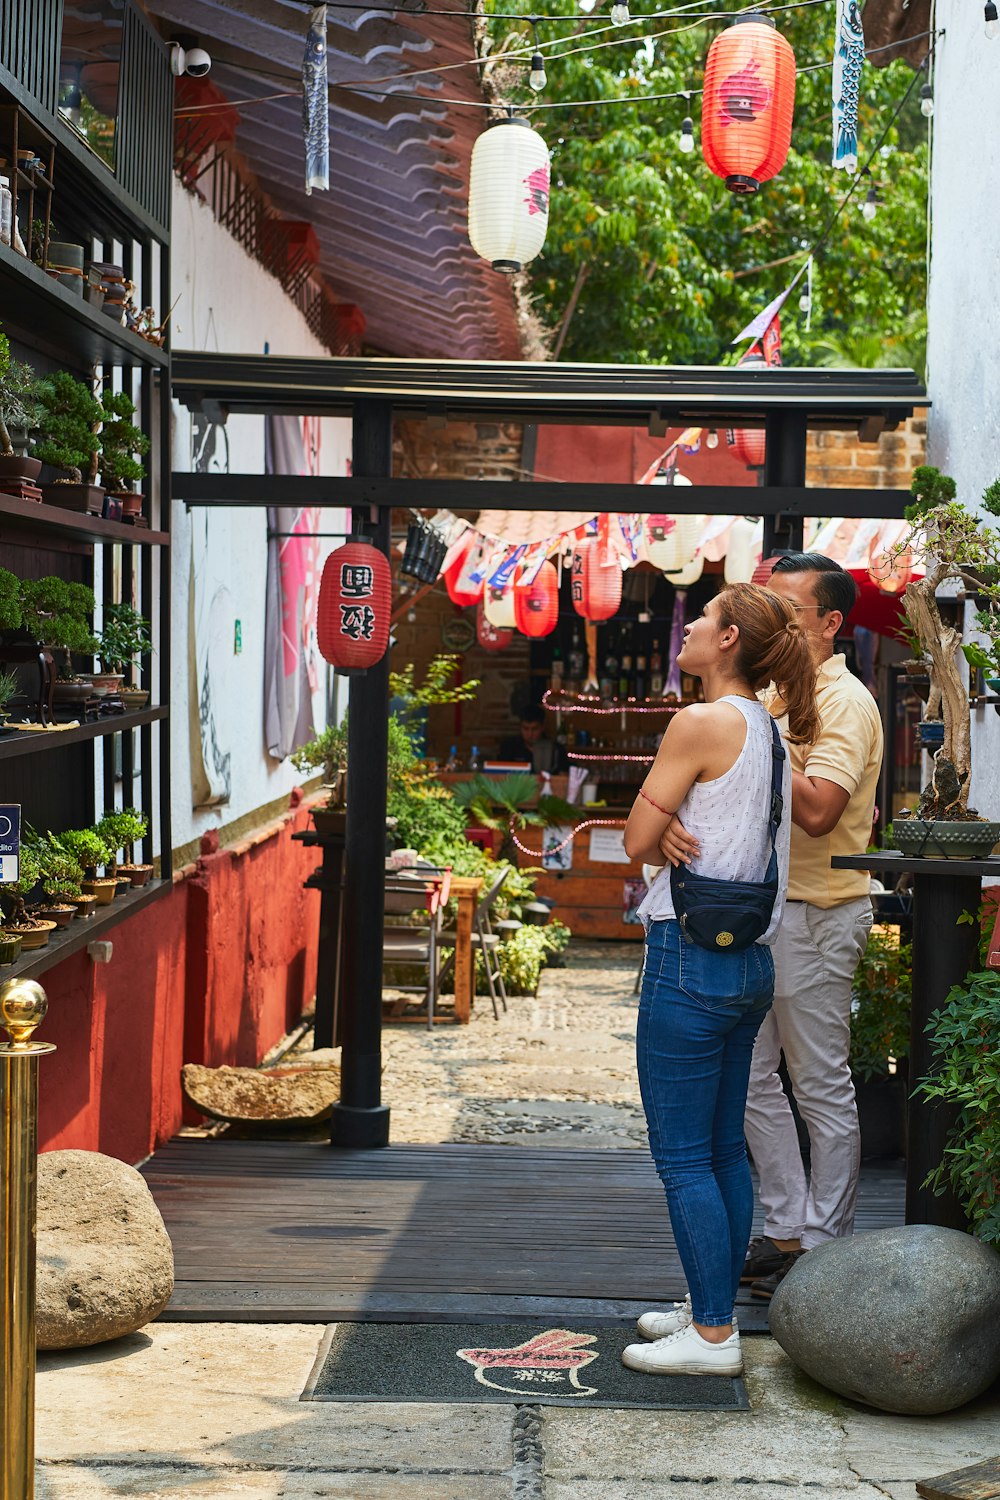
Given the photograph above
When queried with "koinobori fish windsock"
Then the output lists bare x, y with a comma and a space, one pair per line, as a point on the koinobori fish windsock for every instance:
848, 60
316, 103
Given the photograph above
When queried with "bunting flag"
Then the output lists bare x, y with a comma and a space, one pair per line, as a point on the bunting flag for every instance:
502, 576
755, 330
848, 60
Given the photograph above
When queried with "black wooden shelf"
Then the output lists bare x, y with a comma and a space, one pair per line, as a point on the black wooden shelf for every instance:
28, 515
83, 930
916, 864
27, 741
41, 311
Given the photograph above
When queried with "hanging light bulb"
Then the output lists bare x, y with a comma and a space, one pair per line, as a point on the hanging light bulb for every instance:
712, 441
870, 206
620, 13
536, 78
927, 101
587, 6
992, 22
805, 303
686, 142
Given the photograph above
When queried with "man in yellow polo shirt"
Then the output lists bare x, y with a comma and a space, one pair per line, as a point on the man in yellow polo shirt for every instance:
825, 928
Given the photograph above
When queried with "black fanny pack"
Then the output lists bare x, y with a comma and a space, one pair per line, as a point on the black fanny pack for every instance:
731, 914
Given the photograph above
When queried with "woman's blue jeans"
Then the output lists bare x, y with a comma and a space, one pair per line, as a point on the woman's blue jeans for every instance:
698, 1017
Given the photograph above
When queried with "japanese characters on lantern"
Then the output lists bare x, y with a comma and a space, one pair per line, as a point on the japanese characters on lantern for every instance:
355, 603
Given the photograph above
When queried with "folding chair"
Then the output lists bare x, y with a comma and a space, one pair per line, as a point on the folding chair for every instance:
408, 892
486, 941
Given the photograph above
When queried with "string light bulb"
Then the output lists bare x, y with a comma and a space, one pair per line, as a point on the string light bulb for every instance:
587, 6
686, 142
712, 441
805, 303
870, 206
927, 101
620, 13
992, 21
537, 78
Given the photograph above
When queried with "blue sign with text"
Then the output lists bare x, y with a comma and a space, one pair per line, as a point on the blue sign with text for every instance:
10, 841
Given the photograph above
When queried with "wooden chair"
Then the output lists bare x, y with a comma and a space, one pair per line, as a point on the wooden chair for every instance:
406, 893
485, 941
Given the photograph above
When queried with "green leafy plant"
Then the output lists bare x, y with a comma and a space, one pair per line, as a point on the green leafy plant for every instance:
69, 420
965, 1042
120, 441
880, 1007
88, 849
8, 688
19, 890
11, 612
56, 614
523, 957
505, 803
61, 872
327, 751
20, 403
124, 637
122, 830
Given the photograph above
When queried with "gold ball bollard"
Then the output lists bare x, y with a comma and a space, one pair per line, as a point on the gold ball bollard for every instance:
22, 1008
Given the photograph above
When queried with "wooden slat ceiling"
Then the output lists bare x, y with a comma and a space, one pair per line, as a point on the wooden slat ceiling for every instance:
392, 227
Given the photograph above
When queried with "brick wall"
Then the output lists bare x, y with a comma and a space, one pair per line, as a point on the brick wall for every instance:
839, 460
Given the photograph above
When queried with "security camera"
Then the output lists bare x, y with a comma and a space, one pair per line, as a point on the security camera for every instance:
198, 63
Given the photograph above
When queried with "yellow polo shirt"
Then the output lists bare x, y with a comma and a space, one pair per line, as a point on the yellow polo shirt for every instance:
849, 753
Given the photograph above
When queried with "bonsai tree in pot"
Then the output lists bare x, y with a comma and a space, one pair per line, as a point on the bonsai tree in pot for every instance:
60, 878
121, 442
122, 830
20, 409
70, 417
56, 614
92, 853
959, 548
11, 613
8, 688
124, 638
33, 931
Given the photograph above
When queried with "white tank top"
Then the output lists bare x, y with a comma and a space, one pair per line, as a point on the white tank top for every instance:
729, 818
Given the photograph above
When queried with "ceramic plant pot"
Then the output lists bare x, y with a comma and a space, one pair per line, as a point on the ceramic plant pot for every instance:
73, 690
33, 937
86, 905
108, 682
86, 498
105, 890
137, 874
945, 838
62, 916
134, 698
10, 947
20, 466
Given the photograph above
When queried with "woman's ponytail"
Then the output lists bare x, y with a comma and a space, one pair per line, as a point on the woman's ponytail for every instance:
773, 647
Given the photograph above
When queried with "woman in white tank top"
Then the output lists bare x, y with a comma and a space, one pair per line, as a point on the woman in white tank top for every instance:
700, 1010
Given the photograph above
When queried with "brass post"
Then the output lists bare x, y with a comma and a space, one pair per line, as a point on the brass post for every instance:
22, 1007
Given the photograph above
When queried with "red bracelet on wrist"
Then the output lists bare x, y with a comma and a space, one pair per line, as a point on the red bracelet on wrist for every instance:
665, 810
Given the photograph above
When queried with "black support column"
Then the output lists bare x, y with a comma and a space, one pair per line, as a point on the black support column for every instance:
360, 1119
784, 464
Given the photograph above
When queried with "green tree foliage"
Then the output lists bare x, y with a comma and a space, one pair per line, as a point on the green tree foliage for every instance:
675, 265
70, 417
121, 440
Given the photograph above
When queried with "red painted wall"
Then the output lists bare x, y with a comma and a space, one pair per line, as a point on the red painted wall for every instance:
621, 455
215, 972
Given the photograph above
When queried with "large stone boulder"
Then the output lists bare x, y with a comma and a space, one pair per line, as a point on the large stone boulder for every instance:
105, 1265
907, 1320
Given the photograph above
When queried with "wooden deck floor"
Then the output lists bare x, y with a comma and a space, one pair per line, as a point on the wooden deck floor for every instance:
268, 1231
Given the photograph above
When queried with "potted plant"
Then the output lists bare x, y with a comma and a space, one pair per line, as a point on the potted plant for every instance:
122, 830
8, 689
69, 420
11, 612
510, 803
121, 441
880, 1043
958, 546
92, 853
56, 615
61, 877
124, 638
33, 931
327, 751
19, 413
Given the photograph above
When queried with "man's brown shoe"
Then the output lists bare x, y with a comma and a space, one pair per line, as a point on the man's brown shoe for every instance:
763, 1257
766, 1287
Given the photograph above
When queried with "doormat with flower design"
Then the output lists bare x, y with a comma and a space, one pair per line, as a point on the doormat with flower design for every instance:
506, 1362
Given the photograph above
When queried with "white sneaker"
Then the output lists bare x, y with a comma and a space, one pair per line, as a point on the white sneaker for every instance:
659, 1325
685, 1353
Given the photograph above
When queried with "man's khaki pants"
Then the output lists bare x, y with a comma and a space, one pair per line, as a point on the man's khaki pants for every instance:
815, 957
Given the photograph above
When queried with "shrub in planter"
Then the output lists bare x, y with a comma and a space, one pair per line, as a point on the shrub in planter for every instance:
880, 1043
124, 637
523, 957
56, 614
120, 442
33, 931
122, 831
11, 616
68, 424
965, 1040
92, 853
20, 410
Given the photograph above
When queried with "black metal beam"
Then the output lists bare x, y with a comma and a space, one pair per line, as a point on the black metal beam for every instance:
784, 470
502, 494
360, 1119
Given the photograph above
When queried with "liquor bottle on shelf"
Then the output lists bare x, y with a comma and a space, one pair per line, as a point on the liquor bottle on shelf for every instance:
641, 683
625, 671
577, 662
656, 672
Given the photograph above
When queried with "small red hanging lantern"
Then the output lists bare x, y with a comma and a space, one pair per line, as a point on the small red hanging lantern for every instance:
461, 589
536, 604
491, 637
762, 572
355, 605
596, 591
749, 445
747, 103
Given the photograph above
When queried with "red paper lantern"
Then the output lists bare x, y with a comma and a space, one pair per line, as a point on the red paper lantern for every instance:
461, 590
491, 637
747, 103
355, 605
596, 591
536, 604
749, 444
762, 572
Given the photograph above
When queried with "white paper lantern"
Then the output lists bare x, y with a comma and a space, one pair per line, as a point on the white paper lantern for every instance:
741, 554
689, 574
509, 195
499, 608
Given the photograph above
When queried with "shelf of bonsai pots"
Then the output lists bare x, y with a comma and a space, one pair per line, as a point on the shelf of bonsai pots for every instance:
32, 515
65, 941
26, 741
945, 949
52, 317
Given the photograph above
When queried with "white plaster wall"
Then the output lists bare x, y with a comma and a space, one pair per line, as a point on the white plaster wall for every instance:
228, 302
964, 293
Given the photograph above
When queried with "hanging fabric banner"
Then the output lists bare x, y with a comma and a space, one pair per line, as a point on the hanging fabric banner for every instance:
503, 576
291, 592
848, 60
756, 329
630, 527
771, 341
673, 683
316, 102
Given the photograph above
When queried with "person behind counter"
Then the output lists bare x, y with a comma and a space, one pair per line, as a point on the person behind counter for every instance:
532, 744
